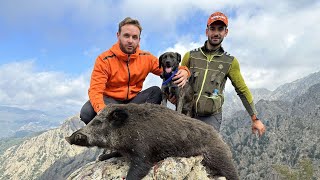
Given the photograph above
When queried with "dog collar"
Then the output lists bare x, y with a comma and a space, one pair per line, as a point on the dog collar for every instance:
170, 78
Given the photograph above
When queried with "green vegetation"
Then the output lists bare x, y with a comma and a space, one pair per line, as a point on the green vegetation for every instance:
6, 143
303, 171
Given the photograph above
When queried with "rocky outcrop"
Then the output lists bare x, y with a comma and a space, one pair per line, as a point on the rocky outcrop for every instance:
49, 156
170, 168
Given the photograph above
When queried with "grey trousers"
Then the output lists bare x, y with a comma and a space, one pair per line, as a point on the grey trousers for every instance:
213, 120
150, 95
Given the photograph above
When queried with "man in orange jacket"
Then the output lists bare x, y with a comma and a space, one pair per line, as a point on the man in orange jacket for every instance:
119, 73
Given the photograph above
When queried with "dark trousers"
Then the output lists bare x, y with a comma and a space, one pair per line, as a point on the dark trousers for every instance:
150, 95
213, 120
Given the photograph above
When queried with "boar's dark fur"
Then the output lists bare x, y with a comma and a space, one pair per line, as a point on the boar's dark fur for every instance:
148, 133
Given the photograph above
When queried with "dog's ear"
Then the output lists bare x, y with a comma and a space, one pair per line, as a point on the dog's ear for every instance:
178, 57
160, 61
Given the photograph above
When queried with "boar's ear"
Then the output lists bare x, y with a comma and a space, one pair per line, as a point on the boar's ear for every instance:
118, 117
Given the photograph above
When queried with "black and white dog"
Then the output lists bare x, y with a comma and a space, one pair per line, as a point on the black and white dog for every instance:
169, 61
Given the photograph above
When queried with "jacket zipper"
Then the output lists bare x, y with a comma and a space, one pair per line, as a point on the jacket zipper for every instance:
129, 77
204, 77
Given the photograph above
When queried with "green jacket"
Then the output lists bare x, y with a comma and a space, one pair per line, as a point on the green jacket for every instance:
209, 67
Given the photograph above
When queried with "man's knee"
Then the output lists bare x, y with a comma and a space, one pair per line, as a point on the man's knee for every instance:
87, 112
157, 94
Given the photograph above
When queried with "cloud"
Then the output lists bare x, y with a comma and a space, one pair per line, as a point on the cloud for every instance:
275, 41
22, 86
155, 15
274, 44
35, 12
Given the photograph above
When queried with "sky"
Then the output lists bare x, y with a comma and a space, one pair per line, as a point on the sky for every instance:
48, 48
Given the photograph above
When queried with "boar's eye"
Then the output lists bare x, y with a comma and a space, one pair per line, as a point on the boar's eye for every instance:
96, 122
81, 140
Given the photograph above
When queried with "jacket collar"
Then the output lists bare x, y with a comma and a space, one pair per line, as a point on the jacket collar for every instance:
204, 48
115, 49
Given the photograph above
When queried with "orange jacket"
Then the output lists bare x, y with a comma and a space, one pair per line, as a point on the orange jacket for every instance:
119, 75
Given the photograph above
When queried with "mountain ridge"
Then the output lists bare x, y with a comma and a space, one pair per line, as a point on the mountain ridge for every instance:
293, 129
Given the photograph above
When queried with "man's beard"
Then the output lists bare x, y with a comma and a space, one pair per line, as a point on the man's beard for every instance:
123, 49
215, 43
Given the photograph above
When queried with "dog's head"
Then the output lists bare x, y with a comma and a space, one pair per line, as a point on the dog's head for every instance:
169, 61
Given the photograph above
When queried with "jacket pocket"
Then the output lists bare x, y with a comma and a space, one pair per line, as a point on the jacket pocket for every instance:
208, 105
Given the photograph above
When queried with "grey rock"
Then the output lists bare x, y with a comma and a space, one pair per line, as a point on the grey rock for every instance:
170, 168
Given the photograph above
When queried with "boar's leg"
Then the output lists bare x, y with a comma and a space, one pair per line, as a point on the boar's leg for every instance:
105, 156
139, 168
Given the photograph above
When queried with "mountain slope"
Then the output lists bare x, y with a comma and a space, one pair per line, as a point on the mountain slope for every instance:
19, 122
286, 92
293, 131
289, 91
47, 156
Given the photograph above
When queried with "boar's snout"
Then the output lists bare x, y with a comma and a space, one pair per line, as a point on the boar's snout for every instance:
68, 139
78, 139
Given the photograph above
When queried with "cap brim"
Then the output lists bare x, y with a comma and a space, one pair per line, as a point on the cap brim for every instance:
216, 21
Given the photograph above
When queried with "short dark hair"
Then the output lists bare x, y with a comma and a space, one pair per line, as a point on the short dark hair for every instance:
129, 20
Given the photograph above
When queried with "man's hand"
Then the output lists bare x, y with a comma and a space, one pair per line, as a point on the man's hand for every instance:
257, 125
180, 78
